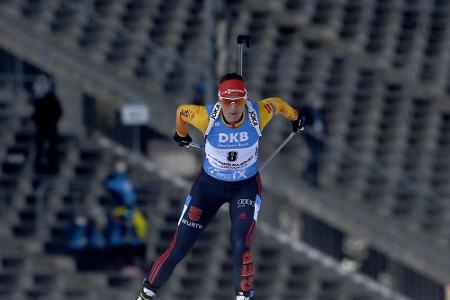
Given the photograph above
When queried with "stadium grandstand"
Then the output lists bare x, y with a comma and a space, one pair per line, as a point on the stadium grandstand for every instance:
375, 223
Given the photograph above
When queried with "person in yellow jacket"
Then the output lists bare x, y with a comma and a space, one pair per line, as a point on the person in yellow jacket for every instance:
232, 128
134, 219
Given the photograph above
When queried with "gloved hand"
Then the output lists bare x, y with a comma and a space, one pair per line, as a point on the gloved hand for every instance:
182, 141
298, 124
145, 293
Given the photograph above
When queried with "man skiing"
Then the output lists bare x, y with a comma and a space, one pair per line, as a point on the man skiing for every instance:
232, 128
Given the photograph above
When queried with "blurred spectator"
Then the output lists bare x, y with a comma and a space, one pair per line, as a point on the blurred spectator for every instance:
315, 129
77, 238
126, 237
119, 186
96, 228
86, 240
127, 227
46, 115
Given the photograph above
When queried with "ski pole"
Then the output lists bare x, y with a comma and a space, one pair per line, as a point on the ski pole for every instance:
286, 140
241, 39
274, 153
195, 145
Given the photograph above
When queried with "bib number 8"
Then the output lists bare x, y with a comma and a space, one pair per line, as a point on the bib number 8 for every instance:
232, 156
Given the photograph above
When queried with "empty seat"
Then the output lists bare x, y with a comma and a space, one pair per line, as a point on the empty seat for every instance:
13, 263
133, 13
24, 137
91, 33
119, 48
63, 17
90, 155
117, 280
78, 294
32, 8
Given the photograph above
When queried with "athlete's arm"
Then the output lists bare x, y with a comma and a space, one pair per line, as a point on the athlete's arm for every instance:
196, 115
270, 107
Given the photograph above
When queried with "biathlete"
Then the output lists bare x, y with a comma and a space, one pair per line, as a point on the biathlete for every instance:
232, 128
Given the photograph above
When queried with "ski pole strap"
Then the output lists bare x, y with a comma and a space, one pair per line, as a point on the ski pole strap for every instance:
253, 117
214, 115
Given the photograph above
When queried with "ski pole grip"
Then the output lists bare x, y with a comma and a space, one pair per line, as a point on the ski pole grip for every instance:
244, 38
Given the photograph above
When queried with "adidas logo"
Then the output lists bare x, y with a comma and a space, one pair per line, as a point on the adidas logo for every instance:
242, 216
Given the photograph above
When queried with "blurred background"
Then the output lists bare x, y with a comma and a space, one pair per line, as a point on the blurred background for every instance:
357, 207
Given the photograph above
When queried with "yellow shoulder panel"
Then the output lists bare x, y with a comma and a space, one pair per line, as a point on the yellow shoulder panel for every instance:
270, 107
196, 115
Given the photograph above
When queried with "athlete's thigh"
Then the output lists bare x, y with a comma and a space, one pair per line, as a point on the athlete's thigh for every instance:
244, 209
199, 209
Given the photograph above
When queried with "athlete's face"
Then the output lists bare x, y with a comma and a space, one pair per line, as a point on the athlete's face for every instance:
232, 109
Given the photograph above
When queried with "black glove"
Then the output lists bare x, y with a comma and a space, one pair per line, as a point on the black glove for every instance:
182, 141
145, 293
298, 124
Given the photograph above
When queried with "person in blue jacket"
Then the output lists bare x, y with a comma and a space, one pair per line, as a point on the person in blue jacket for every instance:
119, 185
